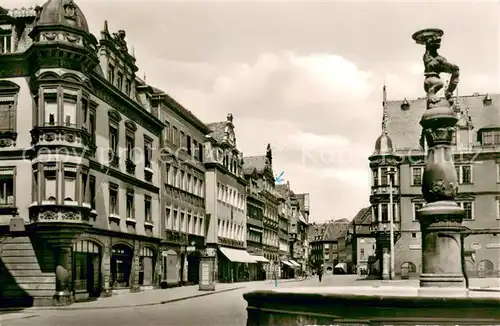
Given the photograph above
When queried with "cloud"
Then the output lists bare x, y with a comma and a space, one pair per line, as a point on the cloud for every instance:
316, 110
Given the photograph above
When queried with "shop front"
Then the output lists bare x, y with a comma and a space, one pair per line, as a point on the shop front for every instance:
258, 271
287, 269
234, 265
147, 263
86, 269
170, 268
121, 265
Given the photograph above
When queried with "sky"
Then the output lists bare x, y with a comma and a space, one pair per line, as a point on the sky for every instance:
304, 76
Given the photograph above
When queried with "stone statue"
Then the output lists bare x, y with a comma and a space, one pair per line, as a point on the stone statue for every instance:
441, 217
436, 64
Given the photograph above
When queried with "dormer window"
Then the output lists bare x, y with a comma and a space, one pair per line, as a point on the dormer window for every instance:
5, 41
490, 137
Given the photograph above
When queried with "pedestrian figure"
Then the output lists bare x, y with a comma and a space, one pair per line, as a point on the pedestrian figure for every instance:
320, 274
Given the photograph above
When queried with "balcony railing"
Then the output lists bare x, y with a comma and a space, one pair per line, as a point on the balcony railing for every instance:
255, 222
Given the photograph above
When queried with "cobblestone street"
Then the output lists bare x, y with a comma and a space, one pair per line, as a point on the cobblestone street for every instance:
224, 308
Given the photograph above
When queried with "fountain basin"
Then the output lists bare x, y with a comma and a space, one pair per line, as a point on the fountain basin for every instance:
382, 305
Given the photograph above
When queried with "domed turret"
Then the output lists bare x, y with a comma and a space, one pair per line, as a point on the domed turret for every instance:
383, 145
61, 31
62, 13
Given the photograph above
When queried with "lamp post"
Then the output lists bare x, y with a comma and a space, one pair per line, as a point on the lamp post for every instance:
390, 174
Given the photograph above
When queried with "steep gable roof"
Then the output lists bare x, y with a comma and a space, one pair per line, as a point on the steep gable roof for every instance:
362, 219
217, 130
403, 126
335, 230
251, 163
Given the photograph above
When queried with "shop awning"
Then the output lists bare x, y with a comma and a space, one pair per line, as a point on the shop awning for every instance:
237, 256
260, 259
288, 263
294, 263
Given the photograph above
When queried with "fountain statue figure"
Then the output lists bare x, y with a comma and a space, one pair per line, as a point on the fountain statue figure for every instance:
436, 64
442, 296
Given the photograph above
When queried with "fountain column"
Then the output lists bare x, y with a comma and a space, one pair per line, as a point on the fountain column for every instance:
441, 218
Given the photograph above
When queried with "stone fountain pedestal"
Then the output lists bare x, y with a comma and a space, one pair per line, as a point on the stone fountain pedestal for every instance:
384, 305
442, 297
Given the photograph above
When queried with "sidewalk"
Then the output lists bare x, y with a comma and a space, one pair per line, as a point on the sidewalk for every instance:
157, 296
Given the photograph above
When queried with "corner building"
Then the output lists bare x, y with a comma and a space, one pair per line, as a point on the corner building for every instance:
80, 182
476, 148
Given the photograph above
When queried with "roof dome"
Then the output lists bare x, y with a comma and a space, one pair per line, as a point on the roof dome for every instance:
383, 145
62, 12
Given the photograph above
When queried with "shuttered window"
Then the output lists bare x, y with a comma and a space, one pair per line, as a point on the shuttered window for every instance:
7, 115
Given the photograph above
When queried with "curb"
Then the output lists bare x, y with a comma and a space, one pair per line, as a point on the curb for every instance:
487, 289
8, 317
135, 305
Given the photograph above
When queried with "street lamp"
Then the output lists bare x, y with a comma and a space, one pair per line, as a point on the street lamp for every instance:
390, 173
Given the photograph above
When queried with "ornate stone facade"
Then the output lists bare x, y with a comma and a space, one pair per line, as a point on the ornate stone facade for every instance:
61, 190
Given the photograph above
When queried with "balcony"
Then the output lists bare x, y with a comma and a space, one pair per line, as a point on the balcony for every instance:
384, 226
270, 223
55, 213
384, 190
148, 172
130, 166
52, 135
255, 222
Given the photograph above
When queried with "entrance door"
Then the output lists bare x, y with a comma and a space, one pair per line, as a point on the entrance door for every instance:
121, 263
94, 283
194, 267
86, 268
147, 270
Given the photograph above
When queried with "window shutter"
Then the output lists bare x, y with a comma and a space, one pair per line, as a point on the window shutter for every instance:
7, 116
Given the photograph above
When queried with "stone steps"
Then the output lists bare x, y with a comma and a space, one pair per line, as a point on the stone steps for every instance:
26, 275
